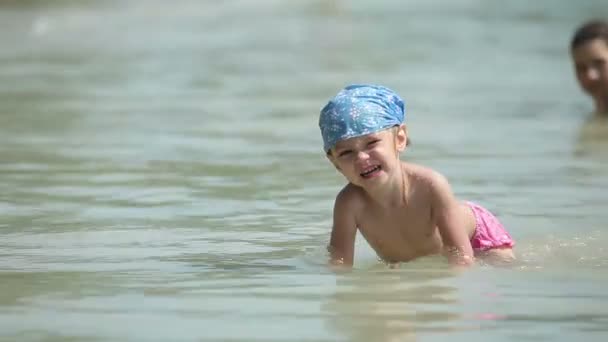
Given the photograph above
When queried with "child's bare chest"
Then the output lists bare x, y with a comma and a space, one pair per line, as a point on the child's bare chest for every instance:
401, 235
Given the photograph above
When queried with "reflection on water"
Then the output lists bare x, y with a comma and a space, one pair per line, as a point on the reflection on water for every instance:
585, 251
392, 305
162, 179
18, 287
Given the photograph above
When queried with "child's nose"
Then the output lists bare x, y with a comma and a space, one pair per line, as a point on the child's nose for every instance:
362, 155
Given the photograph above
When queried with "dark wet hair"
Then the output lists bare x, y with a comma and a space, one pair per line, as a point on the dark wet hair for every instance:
592, 29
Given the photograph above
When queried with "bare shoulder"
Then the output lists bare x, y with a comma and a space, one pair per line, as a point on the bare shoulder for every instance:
350, 198
422, 176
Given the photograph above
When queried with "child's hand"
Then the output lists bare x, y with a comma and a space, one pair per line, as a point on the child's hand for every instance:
338, 265
458, 258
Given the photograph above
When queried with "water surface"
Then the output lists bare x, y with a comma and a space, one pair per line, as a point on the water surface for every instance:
162, 179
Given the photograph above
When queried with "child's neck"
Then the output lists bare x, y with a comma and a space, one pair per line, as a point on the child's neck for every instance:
392, 194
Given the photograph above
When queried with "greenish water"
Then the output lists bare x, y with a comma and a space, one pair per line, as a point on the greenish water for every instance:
162, 179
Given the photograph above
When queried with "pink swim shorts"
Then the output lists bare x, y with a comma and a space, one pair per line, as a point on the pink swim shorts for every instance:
489, 232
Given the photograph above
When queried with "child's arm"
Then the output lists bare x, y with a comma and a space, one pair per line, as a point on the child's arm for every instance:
342, 243
449, 218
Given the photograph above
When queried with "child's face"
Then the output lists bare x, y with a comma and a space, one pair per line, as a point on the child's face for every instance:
591, 65
369, 158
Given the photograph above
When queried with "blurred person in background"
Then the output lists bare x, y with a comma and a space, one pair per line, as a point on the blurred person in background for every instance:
589, 51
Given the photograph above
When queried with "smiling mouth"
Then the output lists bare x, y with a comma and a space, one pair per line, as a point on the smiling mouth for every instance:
371, 171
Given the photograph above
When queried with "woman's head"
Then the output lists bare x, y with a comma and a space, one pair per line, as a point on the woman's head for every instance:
590, 30
589, 50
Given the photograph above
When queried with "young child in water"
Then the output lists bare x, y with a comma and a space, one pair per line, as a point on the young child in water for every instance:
589, 51
404, 211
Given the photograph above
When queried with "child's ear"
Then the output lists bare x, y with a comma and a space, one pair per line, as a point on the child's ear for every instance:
401, 137
332, 159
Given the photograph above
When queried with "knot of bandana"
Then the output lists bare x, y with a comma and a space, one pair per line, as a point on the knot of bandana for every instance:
357, 110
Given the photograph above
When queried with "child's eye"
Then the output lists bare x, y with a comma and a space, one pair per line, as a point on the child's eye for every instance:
344, 153
373, 142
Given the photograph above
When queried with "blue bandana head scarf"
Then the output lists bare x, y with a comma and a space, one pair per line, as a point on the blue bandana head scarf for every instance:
357, 110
